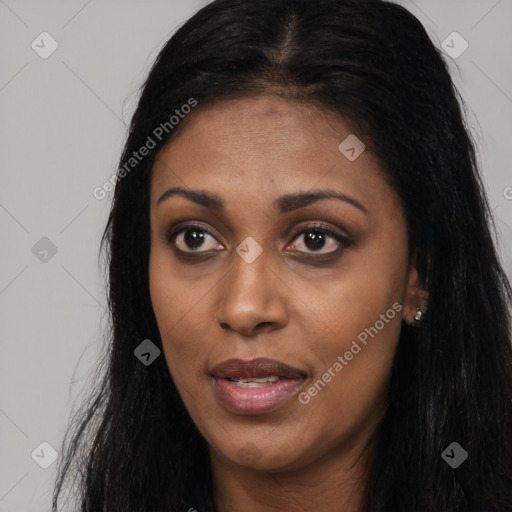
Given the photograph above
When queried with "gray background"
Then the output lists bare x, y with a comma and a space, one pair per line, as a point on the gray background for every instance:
63, 124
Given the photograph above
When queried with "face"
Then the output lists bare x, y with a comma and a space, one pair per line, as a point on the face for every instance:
251, 262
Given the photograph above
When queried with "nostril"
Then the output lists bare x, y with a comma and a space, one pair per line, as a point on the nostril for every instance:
263, 326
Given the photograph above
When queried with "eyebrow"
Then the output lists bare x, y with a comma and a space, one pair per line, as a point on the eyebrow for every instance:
283, 204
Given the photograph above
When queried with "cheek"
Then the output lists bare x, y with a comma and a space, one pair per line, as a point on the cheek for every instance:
178, 305
355, 352
341, 306
347, 393
361, 317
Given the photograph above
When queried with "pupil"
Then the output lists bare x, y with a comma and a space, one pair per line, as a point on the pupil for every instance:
194, 238
314, 240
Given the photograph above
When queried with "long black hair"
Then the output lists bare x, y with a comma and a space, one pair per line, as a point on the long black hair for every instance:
133, 447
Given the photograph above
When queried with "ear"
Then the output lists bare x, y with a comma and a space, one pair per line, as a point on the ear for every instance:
416, 297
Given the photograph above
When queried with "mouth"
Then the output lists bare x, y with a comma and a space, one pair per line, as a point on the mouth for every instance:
255, 387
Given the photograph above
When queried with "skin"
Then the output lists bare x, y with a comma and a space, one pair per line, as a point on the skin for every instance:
288, 304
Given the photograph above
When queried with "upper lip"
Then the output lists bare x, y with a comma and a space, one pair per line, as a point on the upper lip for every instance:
255, 368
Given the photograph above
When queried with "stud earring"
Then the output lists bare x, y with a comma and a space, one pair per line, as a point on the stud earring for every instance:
418, 316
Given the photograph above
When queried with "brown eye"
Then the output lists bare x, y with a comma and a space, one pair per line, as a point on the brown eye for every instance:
193, 239
319, 240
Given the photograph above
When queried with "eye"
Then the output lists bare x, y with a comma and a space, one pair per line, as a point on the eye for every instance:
193, 238
311, 240
319, 239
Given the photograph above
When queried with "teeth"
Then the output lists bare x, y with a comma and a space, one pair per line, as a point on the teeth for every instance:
272, 378
254, 382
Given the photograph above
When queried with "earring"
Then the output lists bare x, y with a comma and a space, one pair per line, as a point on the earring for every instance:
418, 316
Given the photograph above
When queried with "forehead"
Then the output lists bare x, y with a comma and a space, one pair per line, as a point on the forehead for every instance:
263, 144
262, 127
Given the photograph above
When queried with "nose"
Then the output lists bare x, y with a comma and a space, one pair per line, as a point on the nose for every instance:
253, 298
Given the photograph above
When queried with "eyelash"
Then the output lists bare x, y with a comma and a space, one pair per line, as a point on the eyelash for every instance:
343, 241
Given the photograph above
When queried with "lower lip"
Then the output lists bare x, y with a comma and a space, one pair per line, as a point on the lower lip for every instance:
255, 400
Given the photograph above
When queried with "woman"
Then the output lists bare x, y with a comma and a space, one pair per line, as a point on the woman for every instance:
307, 308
